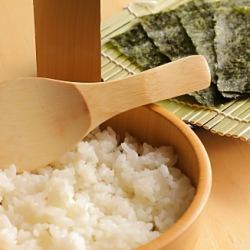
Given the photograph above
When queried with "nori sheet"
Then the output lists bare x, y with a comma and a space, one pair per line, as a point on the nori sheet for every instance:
209, 97
197, 19
231, 95
136, 45
241, 3
168, 34
170, 38
232, 44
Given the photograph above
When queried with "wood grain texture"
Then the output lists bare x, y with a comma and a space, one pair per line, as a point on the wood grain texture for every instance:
169, 80
17, 42
68, 39
44, 118
225, 224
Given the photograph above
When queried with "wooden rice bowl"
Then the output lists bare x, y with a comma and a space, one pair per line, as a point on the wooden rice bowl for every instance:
158, 127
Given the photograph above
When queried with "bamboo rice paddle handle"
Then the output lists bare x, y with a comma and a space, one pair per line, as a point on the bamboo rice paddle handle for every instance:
42, 118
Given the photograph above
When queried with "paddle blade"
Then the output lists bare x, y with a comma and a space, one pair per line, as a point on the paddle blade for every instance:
40, 120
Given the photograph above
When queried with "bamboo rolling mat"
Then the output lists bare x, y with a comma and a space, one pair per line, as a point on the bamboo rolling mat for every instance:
229, 119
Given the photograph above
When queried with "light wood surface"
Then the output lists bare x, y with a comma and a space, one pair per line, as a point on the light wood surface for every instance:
68, 39
17, 41
44, 118
159, 127
226, 225
227, 220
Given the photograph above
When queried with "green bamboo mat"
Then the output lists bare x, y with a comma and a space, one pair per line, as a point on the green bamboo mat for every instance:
230, 119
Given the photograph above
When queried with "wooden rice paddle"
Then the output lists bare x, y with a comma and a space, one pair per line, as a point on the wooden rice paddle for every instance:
42, 118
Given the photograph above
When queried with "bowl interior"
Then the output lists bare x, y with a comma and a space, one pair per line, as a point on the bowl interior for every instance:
158, 127
155, 129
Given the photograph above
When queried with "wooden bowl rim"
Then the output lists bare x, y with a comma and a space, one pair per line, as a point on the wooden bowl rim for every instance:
203, 188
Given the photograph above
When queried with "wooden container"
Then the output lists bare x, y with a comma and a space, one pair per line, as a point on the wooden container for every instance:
159, 127
68, 39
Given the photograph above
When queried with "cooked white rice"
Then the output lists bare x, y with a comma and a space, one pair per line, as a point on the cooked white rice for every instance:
100, 196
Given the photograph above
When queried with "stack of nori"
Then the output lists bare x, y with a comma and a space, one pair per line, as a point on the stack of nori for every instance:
232, 45
170, 37
193, 28
136, 45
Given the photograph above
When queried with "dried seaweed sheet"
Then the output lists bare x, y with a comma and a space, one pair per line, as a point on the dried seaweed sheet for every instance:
232, 44
231, 95
136, 45
168, 34
241, 3
197, 19
209, 97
